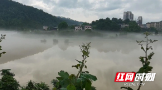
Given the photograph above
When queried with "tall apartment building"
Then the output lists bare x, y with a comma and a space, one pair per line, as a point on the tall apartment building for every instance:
128, 15
139, 21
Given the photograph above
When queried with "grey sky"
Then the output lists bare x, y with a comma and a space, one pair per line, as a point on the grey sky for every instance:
90, 10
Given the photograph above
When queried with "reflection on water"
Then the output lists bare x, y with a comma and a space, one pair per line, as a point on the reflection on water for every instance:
30, 59
43, 41
55, 41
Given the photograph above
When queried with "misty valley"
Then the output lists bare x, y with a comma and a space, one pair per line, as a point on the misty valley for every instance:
80, 45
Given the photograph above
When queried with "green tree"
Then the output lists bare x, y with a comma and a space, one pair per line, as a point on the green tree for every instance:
71, 27
126, 21
62, 26
83, 24
8, 82
133, 26
115, 20
35, 86
120, 21
17, 16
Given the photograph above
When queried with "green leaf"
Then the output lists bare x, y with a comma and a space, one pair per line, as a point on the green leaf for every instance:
54, 89
147, 48
142, 48
88, 76
141, 70
72, 76
78, 65
150, 56
79, 80
75, 66
148, 63
142, 59
149, 69
78, 61
128, 88
85, 53
85, 66
63, 89
71, 87
63, 74
59, 78
155, 40
88, 85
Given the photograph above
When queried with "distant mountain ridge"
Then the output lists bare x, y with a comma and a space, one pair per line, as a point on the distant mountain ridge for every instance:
14, 15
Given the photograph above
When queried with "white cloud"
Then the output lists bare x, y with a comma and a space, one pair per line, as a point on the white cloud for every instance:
89, 10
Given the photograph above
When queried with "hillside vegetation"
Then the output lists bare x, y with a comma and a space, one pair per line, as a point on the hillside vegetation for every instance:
14, 15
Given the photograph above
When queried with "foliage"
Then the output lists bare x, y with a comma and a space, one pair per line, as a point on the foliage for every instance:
156, 32
146, 68
83, 24
71, 27
126, 21
133, 26
83, 80
35, 86
8, 82
115, 25
106, 24
15, 15
63, 25
1, 38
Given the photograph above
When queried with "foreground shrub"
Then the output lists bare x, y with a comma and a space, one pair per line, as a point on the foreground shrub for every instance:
83, 80
8, 82
146, 68
35, 86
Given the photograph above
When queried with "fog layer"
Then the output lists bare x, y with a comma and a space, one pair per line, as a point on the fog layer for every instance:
39, 58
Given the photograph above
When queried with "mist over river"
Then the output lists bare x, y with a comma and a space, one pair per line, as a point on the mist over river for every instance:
31, 59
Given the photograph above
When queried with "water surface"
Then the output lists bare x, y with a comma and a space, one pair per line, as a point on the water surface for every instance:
31, 59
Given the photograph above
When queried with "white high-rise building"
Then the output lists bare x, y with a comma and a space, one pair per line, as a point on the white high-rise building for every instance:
128, 15
140, 20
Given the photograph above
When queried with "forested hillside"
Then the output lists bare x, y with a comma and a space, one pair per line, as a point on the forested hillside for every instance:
14, 15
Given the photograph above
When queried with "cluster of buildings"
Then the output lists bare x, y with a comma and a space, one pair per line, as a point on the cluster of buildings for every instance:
83, 28
77, 28
49, 28
157, 25
126, 15
129, 15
